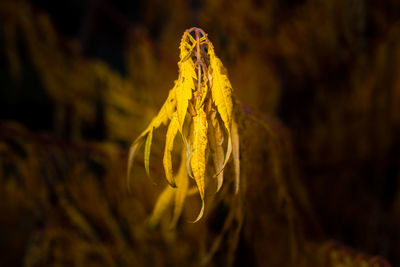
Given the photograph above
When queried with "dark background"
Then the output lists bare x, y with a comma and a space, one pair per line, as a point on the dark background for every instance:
329, 71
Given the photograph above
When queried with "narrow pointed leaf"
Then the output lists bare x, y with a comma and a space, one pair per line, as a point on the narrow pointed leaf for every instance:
169, 144
164, 114
183, 90
215, 138
162, 117
147, 149
227, 156
198, 160
166, 110
221, 89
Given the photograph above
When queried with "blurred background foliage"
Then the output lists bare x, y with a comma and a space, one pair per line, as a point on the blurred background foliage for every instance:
319, 87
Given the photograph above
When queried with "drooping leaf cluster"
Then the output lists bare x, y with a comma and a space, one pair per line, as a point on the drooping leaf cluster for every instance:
200, 108
329, 69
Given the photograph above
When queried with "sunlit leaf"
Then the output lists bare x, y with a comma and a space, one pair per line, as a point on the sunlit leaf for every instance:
198, 160
194, 105
185, 85
221, 89
169, 143
162, 117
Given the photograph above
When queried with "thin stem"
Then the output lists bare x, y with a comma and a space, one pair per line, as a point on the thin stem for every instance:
198, 62
201, 39
196, 30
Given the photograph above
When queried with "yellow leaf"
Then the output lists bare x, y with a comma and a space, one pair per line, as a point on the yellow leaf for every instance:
185, 83
181, 192
165, 112
183, 90
211, 96
204, 91
216, 138
163, 202
185, 48
221, 90
235, 144
227, 156
219, 135
169, 144
198, 160
147, 151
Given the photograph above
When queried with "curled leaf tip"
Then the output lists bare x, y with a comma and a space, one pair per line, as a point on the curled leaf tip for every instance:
228, 154
201, 213
220, 182
189, 157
